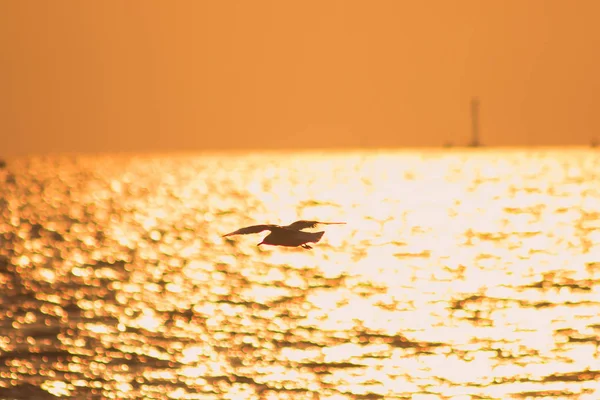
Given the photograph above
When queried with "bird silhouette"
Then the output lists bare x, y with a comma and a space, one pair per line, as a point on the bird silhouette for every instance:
290, 235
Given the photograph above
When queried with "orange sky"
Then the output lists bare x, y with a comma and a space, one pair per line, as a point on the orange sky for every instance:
110, 76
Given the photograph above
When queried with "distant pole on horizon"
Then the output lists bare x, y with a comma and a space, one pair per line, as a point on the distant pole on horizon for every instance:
475, 122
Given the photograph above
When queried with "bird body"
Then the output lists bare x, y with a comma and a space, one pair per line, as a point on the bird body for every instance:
290, 235
291, 238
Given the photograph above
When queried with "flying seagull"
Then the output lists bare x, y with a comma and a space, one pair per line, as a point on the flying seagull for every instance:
290, 235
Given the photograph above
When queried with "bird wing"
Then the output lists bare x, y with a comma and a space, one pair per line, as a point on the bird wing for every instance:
302, 224
251, 229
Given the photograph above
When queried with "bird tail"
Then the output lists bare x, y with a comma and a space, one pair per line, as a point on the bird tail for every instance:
317, 236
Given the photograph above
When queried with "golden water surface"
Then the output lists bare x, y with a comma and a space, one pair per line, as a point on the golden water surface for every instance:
459, 275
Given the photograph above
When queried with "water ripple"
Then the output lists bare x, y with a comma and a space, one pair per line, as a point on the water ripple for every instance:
459, 275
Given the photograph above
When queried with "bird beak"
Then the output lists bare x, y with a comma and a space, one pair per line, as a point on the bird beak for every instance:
259, 243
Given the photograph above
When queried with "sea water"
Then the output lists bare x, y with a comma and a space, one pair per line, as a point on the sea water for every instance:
460, 274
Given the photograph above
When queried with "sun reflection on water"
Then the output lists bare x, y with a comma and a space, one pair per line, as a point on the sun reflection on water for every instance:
458, 275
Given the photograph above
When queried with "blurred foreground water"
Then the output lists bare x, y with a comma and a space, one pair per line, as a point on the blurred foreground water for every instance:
461, 274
